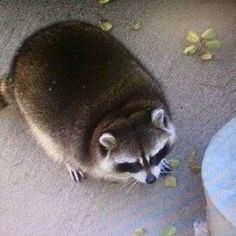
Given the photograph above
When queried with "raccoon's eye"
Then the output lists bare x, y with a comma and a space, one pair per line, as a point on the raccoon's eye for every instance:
155, 160
129, 167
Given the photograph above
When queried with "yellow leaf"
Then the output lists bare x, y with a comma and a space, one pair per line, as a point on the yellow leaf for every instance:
103, 1
190, 50
192, 156
174, 163
136, 26
208, 34
106, 26
140, 232
192, 37
170, 181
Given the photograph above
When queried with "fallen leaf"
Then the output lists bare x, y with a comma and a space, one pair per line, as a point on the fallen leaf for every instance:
106, 26
170, 181
213, 44
170, 230
136, 26
207, 56
192, 156
195, 168
103, 1
174, 163
140, 232
192, 37
208, 34
190, 50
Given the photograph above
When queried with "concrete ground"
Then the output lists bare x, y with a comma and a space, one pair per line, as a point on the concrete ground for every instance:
37, 196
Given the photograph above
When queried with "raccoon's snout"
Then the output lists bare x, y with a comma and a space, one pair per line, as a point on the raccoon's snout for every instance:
151, 179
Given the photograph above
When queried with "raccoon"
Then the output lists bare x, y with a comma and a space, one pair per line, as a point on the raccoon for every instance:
90, 104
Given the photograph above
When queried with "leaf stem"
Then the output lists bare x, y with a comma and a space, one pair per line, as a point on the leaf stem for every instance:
200, 49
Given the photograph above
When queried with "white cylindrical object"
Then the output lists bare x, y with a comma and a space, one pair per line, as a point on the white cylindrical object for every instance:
219, 180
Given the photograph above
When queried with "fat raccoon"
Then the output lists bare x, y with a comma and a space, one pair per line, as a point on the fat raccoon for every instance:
91, 104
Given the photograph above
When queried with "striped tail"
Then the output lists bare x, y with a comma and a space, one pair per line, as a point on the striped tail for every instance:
3, 93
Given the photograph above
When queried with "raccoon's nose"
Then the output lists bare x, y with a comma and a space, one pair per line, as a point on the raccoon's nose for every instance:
151, 179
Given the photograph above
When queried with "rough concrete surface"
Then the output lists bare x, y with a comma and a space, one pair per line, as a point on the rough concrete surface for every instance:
37, 196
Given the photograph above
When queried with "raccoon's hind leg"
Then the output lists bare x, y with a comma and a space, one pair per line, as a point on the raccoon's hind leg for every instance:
55, 151
3, 93
76, 174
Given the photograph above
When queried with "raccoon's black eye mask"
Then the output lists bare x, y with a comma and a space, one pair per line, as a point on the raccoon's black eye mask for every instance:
155, 160
129, 167
136, 166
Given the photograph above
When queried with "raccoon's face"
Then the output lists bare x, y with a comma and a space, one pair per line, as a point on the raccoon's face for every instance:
138, 153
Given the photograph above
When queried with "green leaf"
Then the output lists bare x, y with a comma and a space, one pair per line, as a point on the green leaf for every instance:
174, 163
213, 44
106, 26
207, 56
136, 26
103, 1
192, 37
170, 181
192, 156
190, 50
208, 34
170, 230
140, 232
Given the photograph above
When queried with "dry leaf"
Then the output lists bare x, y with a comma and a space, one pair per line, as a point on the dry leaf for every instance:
136, 26
195, 168
192, 37
170, 181
190, 50
170, 230
192, 156
208, 34
207, 56
106, 26
140, 232
103, 1
174, 163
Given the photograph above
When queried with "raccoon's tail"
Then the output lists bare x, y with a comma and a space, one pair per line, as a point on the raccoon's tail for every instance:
3, 93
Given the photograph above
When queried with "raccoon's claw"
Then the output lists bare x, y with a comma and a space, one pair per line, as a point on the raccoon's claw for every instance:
76, 174
165, 167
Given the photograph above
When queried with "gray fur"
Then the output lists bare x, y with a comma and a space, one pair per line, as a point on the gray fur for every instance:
73, 83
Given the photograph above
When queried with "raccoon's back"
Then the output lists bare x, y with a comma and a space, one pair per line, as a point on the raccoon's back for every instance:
73, 73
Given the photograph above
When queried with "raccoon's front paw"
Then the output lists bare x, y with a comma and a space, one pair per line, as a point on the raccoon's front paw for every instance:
76, 174
165, 167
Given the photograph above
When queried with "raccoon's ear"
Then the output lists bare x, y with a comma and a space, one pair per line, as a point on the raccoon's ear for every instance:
108, 141
158, 118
